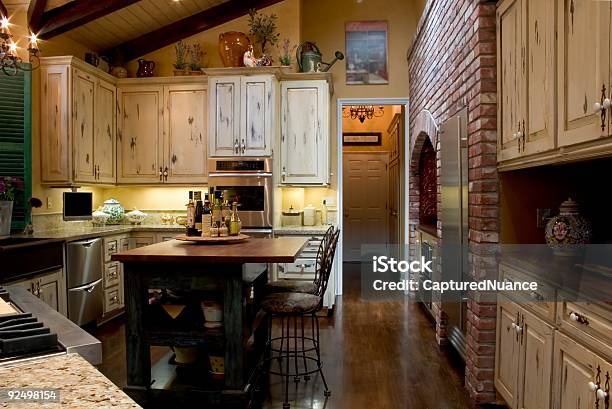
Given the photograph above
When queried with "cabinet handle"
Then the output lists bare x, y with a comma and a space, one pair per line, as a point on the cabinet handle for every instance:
283, 174
536, 296
166, 173
581, 319
601, 394
523, 136
243, 146
161, 175
236, 147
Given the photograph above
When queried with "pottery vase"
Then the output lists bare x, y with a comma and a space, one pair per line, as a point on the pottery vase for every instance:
567, 232
119, 72
114, 210
232, 46
6, 214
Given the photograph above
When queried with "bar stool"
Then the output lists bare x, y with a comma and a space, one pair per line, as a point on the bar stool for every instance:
301, 286
295, 306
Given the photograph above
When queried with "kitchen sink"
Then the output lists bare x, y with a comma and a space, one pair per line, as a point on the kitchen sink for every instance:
22, 257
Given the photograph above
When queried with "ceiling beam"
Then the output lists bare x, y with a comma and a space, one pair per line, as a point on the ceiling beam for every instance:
3, 9
35, 14
186, 27
76, 13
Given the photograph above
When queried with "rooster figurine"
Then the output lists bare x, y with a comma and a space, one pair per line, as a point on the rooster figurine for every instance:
249, 59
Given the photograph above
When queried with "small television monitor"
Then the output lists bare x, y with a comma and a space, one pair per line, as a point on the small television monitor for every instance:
78, 205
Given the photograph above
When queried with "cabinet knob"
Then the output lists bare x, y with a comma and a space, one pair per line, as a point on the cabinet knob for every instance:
161, 175
593, 386
601, 394
607, 103
243, 146
236, 147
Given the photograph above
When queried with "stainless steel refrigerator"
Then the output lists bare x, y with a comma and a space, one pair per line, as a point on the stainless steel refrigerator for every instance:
454, 217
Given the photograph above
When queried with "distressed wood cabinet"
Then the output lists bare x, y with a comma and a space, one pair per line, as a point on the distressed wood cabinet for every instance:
526, 78
304, 146
242, 115
523, 364
49, 287
77, 123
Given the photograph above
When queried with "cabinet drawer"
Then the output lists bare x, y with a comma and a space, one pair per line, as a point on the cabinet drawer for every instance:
113, 299
141, 240
303, 268
312, 247
541, 302
111, 246
589, 322
124, 243
112, 274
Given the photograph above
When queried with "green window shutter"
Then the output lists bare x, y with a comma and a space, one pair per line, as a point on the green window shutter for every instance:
16, 138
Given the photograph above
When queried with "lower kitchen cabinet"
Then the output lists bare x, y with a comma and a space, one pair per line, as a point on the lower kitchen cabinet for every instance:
581, 377
523, 364
49, 287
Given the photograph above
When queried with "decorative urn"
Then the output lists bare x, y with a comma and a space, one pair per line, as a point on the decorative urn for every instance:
232, 46
135, 216
114, 210
568, 231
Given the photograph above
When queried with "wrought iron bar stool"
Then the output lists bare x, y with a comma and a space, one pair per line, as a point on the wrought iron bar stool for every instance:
301, 286
295, 306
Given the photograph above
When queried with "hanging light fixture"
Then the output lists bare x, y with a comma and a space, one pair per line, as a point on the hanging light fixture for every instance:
10, 62
363, 112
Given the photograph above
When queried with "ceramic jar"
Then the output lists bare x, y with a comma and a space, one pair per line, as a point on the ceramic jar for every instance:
99, 218
567, 231
135, 216
6, 213
232, 46
114, 210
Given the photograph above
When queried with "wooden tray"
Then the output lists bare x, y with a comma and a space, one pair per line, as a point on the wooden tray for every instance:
212, 240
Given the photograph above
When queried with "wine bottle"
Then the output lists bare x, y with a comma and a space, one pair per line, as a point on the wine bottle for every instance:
197, 196
206, 216
234, 223
191, 230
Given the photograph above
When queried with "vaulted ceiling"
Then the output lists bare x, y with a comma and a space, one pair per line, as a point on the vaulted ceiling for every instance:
130, 28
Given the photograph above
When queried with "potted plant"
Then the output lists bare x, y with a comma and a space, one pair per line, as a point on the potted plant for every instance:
181, 49
195, 59
8, 187
263, 29
285, 52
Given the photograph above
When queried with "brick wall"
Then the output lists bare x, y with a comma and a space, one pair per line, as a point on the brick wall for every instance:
452, 65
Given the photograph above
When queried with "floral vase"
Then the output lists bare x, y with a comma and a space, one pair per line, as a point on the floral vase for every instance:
6, 213
114, 210
567, 232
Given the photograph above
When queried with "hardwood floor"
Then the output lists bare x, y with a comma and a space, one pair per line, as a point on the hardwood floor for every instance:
376, 355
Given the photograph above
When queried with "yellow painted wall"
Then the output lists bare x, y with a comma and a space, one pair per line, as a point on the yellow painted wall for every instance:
288, 23
152, 198
58, 46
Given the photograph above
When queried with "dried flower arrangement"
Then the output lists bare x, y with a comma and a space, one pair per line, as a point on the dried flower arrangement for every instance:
263, 29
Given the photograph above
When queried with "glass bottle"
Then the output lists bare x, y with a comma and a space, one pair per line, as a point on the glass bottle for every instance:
206, 217
191, 230
234, 223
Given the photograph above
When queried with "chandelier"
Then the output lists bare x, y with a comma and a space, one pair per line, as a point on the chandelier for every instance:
10, 62
363, 112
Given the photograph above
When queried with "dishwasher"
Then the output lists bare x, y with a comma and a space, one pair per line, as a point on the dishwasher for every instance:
84, 266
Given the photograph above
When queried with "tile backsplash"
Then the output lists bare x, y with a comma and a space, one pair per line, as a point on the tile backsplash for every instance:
54, 221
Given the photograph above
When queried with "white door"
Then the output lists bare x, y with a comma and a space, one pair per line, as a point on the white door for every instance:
304, 132
365, 195
224, 116
185, 133
256, 134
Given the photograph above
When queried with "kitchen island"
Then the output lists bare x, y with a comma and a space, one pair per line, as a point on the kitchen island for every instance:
232, 274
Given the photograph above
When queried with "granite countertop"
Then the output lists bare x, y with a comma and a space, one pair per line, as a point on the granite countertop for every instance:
80, 233
80, 384
301, 230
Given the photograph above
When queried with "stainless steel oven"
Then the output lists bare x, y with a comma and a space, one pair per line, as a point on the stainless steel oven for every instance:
247, 181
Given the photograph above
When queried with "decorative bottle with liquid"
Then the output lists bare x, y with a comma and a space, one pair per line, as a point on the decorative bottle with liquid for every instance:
234, 222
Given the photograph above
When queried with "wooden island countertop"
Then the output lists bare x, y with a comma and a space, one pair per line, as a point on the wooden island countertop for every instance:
253, 250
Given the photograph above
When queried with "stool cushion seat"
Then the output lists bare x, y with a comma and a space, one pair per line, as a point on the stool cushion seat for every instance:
288, 286
290, 303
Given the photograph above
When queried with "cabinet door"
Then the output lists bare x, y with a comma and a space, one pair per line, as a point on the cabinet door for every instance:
55, 152
257, 124
574, 368
185, 133
105, 128
224, 116
507, 351
140, 146
535, 366
305, 132
583, 32
510, 74
84, 88
539, 40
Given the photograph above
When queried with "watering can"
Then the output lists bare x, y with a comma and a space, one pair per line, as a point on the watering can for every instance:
309, 58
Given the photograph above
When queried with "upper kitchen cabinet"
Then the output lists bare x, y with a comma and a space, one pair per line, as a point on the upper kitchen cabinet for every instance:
77, 123
185, 133
304, 145
583, 69
162, 136
526, 78
140, 118
241, 115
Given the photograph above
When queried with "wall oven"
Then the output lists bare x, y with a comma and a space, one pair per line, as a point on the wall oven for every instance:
247, 181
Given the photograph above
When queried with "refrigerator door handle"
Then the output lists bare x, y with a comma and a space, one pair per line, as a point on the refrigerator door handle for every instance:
87, 287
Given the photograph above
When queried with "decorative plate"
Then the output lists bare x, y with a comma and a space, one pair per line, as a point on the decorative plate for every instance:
212, 240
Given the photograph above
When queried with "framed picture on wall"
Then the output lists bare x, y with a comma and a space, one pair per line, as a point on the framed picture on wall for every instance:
366, 52
362, 138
